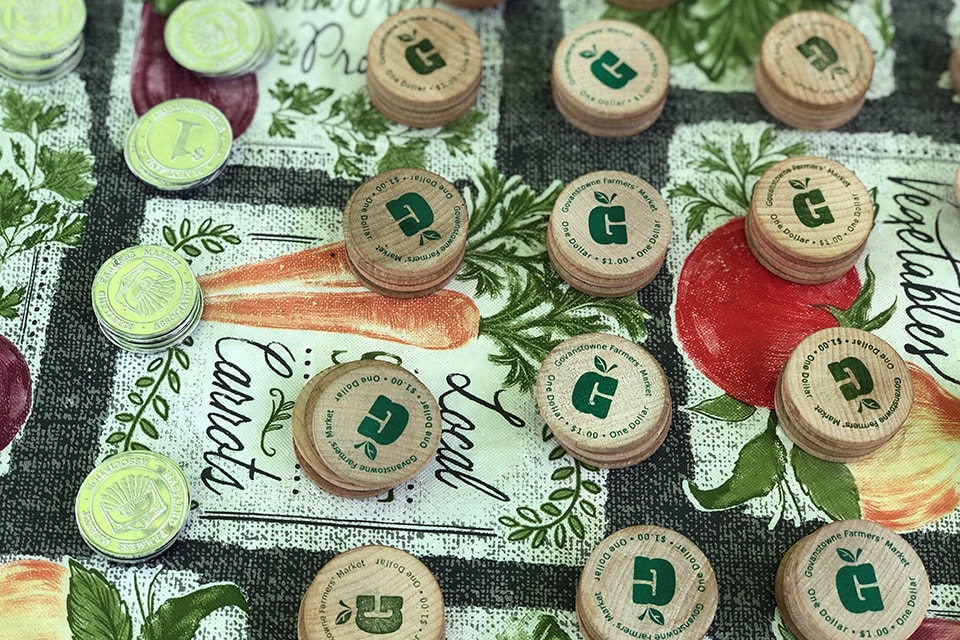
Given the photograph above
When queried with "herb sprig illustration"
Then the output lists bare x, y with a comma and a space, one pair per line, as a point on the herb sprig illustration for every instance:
354, 127
561, 516
721, 37
39, 200
192, 241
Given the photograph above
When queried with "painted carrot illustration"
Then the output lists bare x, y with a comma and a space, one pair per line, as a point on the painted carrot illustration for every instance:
317, 267
443, 320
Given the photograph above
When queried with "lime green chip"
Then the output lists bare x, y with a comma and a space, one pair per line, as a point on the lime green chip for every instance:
215, 37
133, 506
145, 293
179, 144
39, 28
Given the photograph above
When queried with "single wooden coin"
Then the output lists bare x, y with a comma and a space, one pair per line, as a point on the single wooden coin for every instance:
373, 591
406, 227
375, 425
610, 75
425, 59
610, 229
646, 581
604, 396
847, 390
853, 579
814, 59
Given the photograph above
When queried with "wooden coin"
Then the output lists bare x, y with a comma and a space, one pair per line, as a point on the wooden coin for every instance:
424, 60
811, 213
813, 59
853, 579
604, 397
406, 228
373, 591
375, 425
847, 390
611, 76
646, 581
610, 229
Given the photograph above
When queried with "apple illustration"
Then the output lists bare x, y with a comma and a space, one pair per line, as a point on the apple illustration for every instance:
857, 584
607, 224
593, 392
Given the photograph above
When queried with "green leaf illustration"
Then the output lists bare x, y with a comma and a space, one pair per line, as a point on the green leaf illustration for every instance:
656, 616
829, 485
95, 610
370, 450
280, 412
726, 408
11, 301
601, 197
859, 314
344, 617
32, 210
353, 125
759, 468
848, 556
179, 618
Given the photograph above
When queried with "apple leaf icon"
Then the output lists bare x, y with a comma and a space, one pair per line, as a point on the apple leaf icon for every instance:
603, 198
848, 556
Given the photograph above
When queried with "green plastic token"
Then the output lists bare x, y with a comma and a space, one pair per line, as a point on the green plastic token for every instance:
179, 144
215, 37
39, 28
133, 506
145, 293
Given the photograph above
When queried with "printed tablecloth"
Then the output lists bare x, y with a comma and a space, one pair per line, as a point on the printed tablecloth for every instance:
503, 517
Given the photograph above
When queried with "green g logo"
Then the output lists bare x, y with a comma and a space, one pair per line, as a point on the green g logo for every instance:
411, 212
808, 217
855, 380
379, 619
857, 584
607, 224
424, 58
654, 581
384, 423
613, 73
819, 52
593, 393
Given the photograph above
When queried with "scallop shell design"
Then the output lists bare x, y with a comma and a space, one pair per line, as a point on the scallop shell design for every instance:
132, 503
146, 290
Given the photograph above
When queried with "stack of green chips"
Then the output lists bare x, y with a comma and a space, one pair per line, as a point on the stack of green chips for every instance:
146, 299
179, 144
133, 506
41, 40
219, 38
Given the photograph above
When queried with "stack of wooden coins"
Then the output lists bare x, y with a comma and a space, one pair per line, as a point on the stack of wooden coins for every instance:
605, 399
843, 394
179, 144
424, 67
146, 299
852, 579
219, 38
610, 78
608, 233
644, 582
809, 219
41, 40
814, 71
373, 591
405, 232
361, 428
133, 506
